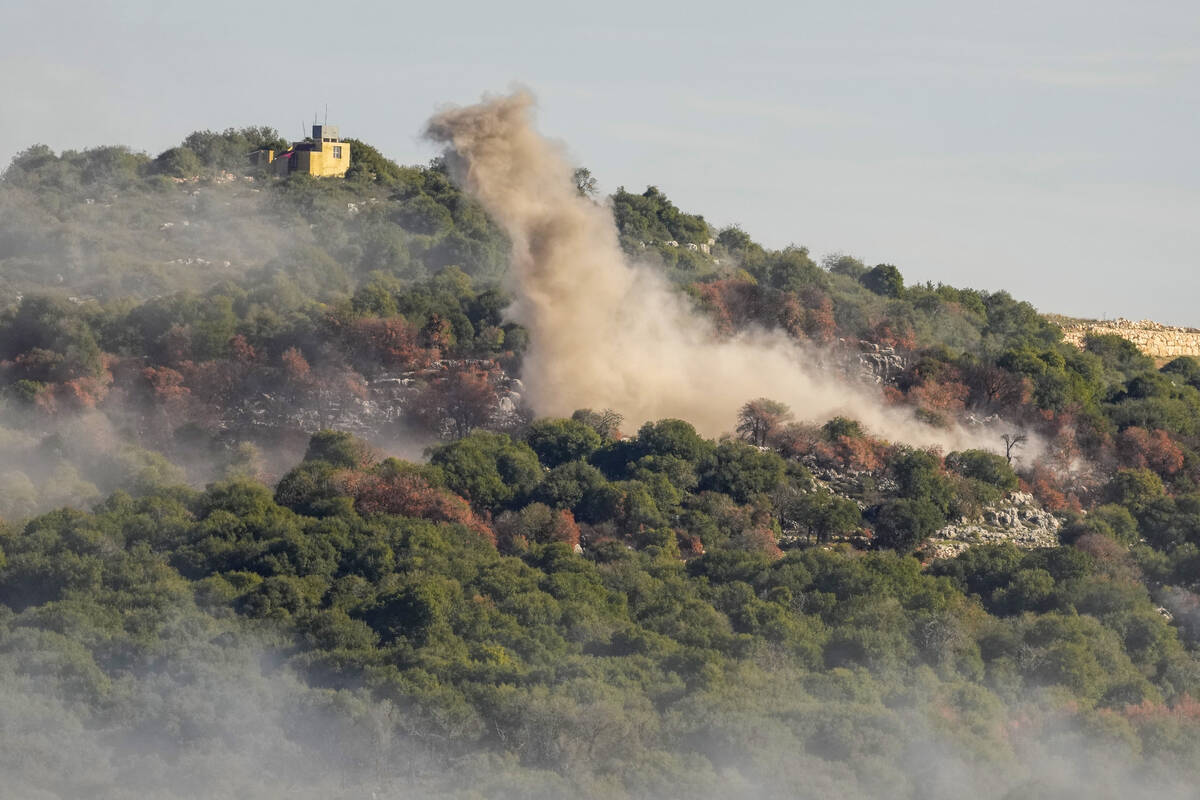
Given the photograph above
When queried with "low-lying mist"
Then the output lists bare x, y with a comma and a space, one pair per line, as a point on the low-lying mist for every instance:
205, 712
208, 711
606, 332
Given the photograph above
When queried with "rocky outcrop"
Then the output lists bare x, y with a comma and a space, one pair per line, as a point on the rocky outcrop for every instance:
387, 399
879, 363
1153, 339
863, 360
1017, 519
848, 483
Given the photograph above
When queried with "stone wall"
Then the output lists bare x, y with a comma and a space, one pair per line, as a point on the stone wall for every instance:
1158, 341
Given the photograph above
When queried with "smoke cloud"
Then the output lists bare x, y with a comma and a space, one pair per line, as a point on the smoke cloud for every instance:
609, 333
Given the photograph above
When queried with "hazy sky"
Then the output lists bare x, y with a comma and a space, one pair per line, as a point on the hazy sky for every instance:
1048, 148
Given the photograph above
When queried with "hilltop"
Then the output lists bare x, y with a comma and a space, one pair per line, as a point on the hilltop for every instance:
109, 223
280, 512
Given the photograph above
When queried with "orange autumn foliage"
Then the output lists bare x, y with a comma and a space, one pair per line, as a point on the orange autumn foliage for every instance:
895, 333
819, 323
1046, 484
241, 350
1154, 450
736, 304
758, 539
947, 397
392, 342
83, 393
295, 365
407, 494
165, 385
1183, 710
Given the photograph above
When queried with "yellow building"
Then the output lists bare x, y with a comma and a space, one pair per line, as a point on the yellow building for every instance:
324, 155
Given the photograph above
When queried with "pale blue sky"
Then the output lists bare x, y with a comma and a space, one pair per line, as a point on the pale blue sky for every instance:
1048, 148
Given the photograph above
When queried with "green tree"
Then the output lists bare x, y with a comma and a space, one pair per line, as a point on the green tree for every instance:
585, 184
340, 449
178, 162
883, 279
1185, 369
741, 471
1119, 355
838, 427
792, 270
904, 524
825, 515
489, 469
1135, 489
672, 437
568, 484
557, 441
368, 164
919, 476
842, 264
982, 465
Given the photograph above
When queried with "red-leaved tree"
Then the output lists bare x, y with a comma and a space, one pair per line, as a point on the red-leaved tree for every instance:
462, 399
407, 494
1138, 447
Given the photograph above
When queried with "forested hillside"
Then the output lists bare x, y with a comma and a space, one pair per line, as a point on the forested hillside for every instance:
278, 519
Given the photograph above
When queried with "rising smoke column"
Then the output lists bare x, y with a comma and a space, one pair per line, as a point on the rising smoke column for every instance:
605, 333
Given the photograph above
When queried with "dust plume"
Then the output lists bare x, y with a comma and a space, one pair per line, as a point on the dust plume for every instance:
608, 333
